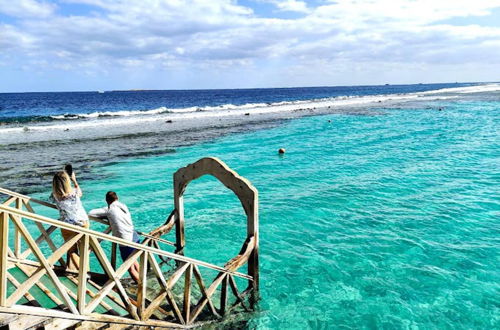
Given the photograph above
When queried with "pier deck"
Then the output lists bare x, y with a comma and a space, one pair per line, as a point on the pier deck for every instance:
174, 291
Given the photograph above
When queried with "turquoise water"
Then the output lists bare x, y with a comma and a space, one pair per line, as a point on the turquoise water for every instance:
386, 221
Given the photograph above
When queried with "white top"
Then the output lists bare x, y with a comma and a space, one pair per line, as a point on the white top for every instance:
71, 209
119, 218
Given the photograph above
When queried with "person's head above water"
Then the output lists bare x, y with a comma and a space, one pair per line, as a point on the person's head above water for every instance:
61, 185
111, 196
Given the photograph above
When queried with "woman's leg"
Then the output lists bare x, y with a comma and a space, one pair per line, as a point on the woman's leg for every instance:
72, 260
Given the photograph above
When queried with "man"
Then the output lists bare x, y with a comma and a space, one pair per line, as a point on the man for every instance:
121, 224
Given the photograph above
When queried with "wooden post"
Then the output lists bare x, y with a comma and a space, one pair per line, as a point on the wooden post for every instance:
253, 261
113, 255
180, 240
223, 295
187, 293
82, 273
142, 285
4, 246
17, 236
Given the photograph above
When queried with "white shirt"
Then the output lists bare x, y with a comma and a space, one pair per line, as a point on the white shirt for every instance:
119, 218
71, 209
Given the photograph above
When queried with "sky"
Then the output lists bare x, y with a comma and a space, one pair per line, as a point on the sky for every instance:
73, 45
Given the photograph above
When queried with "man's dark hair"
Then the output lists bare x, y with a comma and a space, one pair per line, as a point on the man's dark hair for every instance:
111, 196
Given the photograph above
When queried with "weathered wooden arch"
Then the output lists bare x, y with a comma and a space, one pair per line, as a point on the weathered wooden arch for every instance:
243, 189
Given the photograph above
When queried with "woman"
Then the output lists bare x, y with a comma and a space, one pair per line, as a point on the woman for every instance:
70, 209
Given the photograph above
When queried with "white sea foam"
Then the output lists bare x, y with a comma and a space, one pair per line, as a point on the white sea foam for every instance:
136, 117
123, 113
493, 87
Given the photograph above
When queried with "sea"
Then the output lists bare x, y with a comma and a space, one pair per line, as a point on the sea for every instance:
383, 213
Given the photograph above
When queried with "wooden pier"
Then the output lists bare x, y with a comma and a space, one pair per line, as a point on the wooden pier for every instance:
174, 291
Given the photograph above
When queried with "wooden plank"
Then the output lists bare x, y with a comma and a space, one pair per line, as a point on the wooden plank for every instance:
92, 294
110, 296
157, 239
167, 285
34, 277
43, 232
201, 285
103, 293
27, 295
17, 243
27, 310
48, 267
180, 239
113, 255
154, 305
60, 324
142, 285
111, 273
29, 322
187, 292
40, 285
4, 244
17, 236
82, 273
40, 238
49, 242
106, 288
204, 300
10, 200
223, 295
234, 289
6, 318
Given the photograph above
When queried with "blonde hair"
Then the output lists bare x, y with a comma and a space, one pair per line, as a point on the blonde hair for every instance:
61, 185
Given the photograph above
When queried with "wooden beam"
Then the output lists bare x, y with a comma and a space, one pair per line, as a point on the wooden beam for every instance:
17, 236
40, 227
201, 284
39, 284
10, 200
4, 245
142, 285
187, 292
234, 289
204, 300
40, 238
167, 285
223, 295
48, 268
113, 255
82, 273
28, 310
34, 277
92, 294
99, 252
27, 295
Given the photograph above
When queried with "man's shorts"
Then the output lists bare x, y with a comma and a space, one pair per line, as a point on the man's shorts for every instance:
126, 251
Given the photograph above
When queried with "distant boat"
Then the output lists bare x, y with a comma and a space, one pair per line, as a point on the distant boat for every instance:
100, 92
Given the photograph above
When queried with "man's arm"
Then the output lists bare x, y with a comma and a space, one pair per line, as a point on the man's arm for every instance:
101, 213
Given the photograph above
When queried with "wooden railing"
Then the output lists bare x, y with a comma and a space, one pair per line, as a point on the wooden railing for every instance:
159, 299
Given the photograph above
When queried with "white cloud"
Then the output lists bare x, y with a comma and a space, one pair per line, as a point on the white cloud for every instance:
291, 5
222, 34
26, 8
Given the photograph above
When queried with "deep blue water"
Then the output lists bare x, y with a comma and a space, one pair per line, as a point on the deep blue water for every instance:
25, 107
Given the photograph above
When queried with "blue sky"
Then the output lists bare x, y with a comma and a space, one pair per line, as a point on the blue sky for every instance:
69, 45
